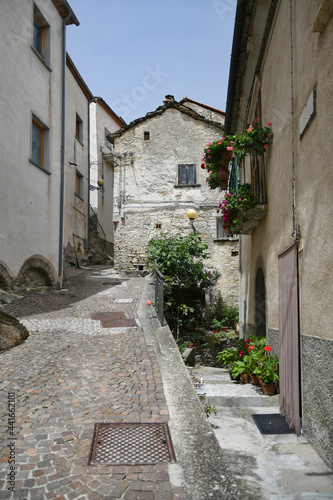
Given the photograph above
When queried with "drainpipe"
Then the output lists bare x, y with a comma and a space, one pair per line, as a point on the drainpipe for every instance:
88, 227
62, 181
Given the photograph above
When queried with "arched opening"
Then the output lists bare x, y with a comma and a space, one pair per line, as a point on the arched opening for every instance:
260, 304
35, 273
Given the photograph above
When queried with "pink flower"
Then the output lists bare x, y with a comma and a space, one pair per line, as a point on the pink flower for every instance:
257, 120
239, 199
209, 156
218, 211
266, 146
269, 124
222, 138
219, 142
202, 165
250, 128
224, 227
228, 194
208, 150
230, 148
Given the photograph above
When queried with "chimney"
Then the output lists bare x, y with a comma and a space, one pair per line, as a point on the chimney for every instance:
169, 98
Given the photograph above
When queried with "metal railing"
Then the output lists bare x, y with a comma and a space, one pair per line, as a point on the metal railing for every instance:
159, 296
95, 224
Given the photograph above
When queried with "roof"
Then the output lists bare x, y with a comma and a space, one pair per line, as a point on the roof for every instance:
160, 110
82, 84
114, 116
187, 99
66, 12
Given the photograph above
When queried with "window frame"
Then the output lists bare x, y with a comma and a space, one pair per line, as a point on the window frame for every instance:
78, 128
79, 184
41, 36
187, 165
146, 135
42, 161
225, 232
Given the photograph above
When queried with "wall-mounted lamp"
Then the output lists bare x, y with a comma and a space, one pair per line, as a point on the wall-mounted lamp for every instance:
100, 187
191, 214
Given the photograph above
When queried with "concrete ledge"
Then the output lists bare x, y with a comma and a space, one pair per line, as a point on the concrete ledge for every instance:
201, 465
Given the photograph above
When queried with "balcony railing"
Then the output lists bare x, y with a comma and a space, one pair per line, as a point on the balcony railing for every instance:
258, 186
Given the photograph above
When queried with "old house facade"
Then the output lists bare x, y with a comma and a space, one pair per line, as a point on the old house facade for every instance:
103, 122
281, 72
158, 178
32, 103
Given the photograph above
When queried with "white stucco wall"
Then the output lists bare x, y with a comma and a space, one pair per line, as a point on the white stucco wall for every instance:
29, 196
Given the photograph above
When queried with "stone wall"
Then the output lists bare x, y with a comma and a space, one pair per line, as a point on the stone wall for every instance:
317, 383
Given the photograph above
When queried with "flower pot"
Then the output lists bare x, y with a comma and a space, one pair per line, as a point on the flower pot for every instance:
254, 380
245, 378
268, 389
225, 328
216, 330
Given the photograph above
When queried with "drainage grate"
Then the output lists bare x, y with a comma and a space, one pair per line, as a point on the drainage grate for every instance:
131, 444
112, 283
114, 319
273, 423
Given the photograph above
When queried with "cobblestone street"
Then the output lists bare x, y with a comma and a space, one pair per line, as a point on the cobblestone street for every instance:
69, 374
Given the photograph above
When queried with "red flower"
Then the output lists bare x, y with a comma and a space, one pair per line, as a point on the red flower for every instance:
202, 165
267, 348
251, 347
269, 124
248, 341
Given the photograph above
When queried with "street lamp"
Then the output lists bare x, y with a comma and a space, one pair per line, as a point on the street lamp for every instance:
191, 214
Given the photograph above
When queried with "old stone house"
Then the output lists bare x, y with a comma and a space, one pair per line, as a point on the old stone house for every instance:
281, 72
157, 179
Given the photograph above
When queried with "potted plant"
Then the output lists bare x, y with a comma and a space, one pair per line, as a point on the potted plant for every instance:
216, 159
224, 324
235, 206
267, 370
254, 140
216, 326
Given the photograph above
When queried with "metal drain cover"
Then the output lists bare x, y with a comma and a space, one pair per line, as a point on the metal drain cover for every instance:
114, 319
131, 444
272, 423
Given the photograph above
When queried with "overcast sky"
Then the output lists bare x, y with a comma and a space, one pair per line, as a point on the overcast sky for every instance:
134, 52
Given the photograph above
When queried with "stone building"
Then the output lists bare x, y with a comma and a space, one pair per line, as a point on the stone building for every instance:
158, 178
281, 72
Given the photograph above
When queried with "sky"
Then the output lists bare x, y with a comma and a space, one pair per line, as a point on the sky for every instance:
132, 53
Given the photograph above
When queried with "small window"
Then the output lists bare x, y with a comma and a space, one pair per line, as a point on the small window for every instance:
158, 225
146, 135
39, 143
79, 184
41, 35
221, 232
79, 128
186, 174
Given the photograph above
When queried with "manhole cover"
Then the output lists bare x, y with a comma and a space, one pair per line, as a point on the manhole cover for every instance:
272, 423
114, 319
131, 444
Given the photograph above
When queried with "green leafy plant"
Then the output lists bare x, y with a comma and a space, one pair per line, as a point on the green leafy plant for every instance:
235, 206
254, 140
268, 369
216, 325
180, 259
209, 409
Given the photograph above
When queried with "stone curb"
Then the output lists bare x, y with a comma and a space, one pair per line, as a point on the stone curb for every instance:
200, 466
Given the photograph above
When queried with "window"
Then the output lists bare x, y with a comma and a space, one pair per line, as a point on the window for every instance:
186, 174
220, 231
79, 128
39, 143
41, 35
146, 135
79, 184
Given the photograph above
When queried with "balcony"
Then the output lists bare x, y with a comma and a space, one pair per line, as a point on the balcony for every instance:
253, 216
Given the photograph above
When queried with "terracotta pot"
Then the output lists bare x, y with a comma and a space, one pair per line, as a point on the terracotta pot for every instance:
254, 380
268, 389
225, 328
216, 330
245, 378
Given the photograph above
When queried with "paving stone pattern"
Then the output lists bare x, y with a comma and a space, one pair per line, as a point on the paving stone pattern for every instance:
69, 374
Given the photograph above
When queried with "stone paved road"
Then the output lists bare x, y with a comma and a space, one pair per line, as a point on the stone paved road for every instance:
69, 374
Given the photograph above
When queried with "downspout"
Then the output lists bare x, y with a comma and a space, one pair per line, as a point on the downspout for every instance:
88, 226
62, 180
